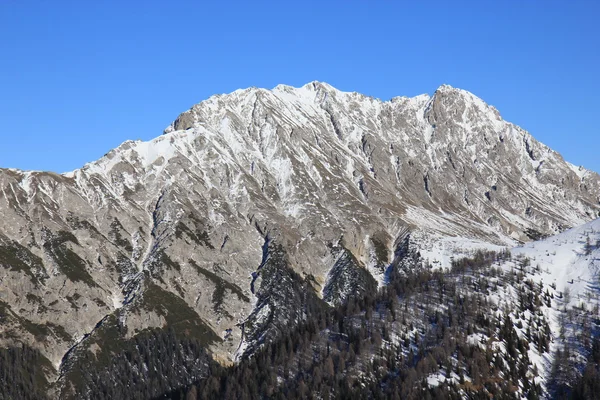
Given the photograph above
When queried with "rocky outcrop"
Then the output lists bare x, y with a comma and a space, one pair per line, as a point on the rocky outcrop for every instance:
188, 213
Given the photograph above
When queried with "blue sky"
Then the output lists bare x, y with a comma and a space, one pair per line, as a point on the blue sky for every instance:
77, 78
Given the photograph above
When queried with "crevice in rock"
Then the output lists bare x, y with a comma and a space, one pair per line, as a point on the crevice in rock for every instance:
528, 148
362, 188
225, 239
336, 125
426, 183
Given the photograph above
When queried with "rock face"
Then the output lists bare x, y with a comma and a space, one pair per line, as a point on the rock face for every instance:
293, 190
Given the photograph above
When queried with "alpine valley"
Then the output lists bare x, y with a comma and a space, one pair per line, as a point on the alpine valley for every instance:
306, 243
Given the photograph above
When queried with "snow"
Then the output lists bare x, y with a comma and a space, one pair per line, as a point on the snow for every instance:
117, 300
139, 153
441, 250
26, 183
579, 171
435, 379
564, 264
564, 261
569, 261
237, 130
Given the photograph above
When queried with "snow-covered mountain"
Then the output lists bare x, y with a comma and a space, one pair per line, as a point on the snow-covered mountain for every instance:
324, 185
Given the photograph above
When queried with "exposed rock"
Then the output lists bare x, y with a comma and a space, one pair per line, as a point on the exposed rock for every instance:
188, 213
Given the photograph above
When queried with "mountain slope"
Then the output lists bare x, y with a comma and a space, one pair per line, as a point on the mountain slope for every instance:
570, 264
256, 184
510, 324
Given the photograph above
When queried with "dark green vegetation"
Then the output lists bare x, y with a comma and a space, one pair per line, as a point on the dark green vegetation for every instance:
535, 235
163, 260
116, 235
383, 345
67, 261
124, 267
179, 316
284, 299
381, 252
113, 364
80, 224
199, 236
40, 331
572, 376
220, 286
23, 374
152, 363
19, 258
587, 387
348, 276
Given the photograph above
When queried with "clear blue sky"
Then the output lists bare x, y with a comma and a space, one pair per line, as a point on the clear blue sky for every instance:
77, 78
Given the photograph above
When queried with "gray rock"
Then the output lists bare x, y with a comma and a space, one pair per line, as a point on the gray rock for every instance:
188, 212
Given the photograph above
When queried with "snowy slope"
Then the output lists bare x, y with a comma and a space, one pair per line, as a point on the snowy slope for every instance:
571, 260
549, 289
569, 265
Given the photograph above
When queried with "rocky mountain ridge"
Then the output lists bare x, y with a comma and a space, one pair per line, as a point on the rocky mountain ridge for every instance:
308, 188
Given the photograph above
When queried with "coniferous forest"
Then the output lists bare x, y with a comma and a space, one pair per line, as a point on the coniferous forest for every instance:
426, 334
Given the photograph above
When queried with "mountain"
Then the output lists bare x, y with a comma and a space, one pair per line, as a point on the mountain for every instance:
511, 324
566, 267
257, 208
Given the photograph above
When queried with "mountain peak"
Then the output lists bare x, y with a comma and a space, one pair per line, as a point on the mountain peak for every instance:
447, 98
444, 87
317, 85
448, 90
